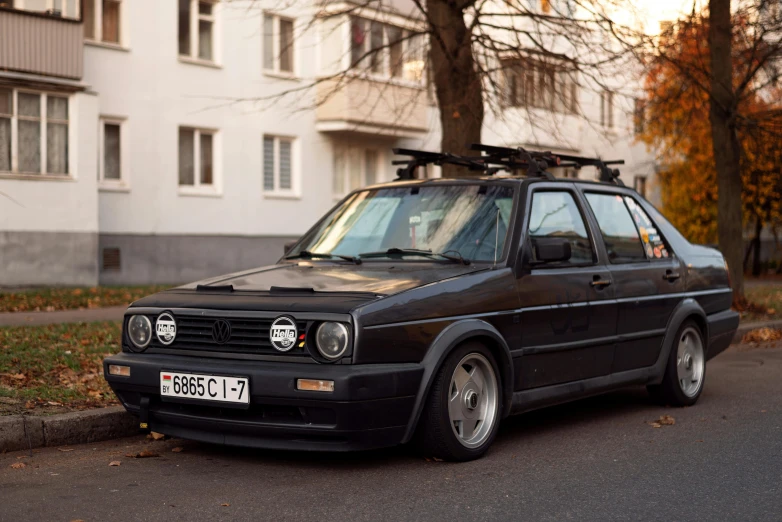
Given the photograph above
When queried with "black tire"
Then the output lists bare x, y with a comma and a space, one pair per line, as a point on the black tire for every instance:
669, 392
434, 435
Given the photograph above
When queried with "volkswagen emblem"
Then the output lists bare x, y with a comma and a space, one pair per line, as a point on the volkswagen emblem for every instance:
221, 331
283, 333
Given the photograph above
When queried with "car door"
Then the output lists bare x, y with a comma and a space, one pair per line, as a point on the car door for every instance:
568, 315
645, 272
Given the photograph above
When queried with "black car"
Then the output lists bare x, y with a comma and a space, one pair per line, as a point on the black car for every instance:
428, 310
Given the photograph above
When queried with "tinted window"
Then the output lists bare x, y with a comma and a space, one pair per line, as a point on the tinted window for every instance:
555, 214
619, 233
653, 241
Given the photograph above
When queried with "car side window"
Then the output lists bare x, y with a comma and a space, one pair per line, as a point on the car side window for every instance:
621, 238
556, 214
654, 244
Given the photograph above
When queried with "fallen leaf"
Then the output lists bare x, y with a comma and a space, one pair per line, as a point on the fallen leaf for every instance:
655, 425
178, 449
29, 405
54, 403
762, 411
65, 449
666, 420
18, 465
225, 504
699, 440
155, 435
436, 459
145, 454
114, 463
762, 335
19, 377
21, 457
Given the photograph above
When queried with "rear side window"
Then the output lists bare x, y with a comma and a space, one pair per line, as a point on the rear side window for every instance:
555, 214
654, 244
622, 241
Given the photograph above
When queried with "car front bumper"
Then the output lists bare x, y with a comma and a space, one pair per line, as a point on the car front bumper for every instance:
370, 407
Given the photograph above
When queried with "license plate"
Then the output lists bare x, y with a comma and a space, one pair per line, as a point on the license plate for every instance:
205, 387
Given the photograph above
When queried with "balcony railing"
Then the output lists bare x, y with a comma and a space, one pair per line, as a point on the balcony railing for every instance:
41, 44
353, 104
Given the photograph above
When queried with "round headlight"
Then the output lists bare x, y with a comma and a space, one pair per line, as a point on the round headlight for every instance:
332, 340
140, 330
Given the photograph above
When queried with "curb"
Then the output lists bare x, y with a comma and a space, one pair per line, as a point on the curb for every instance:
744, 328
20, 432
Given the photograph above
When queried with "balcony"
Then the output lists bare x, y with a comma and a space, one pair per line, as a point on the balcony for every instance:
41, 44
369, 106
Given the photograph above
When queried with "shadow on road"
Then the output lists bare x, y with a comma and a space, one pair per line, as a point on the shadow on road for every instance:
513, 431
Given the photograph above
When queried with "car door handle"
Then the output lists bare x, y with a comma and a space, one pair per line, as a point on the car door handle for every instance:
671, 276
600, 283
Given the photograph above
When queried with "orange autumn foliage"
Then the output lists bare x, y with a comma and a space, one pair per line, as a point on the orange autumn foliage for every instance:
677, 126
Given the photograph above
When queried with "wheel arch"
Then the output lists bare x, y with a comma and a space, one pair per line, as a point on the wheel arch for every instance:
456, 334
687, 309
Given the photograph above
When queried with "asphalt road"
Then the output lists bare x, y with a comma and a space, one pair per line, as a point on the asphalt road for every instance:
596, 459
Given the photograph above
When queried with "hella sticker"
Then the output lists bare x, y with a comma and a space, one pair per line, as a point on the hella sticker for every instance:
283, 333
165, 328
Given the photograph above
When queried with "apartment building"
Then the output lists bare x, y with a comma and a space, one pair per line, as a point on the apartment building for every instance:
140, 148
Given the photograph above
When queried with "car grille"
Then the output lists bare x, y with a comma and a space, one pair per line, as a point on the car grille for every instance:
250, 336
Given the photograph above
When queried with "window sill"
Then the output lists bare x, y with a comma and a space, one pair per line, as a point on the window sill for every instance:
379, 78
199, 192
107, 45
281, 195
113, 187
281, 75
37, 177
197, 61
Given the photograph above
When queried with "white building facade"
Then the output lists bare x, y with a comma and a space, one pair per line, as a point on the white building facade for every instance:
190, 143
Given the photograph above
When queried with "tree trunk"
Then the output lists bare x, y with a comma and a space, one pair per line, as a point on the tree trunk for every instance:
756, 248
456, 81
725, 142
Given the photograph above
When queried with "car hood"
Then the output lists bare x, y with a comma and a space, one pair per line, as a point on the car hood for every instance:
306, 286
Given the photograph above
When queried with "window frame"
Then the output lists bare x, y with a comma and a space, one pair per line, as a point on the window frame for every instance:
364, 67
20, 5
538, 84
43, 120
277, 19
363, 149
97, 15
607, 109
526, 242
277, 192
123, 183
198, 188
194, 45
623, 195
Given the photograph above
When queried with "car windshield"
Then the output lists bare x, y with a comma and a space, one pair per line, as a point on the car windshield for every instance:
470, 221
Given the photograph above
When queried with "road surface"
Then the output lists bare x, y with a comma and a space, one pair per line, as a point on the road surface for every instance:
596, 459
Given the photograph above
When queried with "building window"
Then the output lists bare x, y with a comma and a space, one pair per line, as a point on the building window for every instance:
639, 184
537, 84
196, 29
111, 153
278, 44
278, 165
385, 50
196, 158
355, 167
607, 109
63, 8
639, 116
34, 132
102, 20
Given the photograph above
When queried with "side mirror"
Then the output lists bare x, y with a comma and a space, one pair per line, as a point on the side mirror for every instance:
287, 246
551, 249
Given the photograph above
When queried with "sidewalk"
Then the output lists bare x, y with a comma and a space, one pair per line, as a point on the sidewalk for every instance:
113, 313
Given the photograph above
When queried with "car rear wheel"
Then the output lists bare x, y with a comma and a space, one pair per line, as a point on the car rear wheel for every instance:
686, 369
462, 412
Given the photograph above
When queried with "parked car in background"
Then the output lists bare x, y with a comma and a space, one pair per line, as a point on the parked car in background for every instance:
426, 311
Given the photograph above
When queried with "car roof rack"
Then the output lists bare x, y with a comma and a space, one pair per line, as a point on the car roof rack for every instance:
495, 159
537, 162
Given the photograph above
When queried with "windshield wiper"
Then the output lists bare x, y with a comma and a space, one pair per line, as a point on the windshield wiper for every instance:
306, 254
416, 252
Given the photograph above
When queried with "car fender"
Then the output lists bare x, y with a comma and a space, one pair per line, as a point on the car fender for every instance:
450, 337
685, 309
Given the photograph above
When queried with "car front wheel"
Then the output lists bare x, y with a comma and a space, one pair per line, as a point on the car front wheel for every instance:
462, 412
